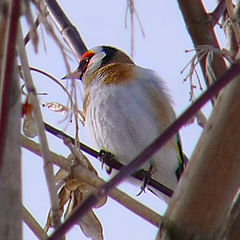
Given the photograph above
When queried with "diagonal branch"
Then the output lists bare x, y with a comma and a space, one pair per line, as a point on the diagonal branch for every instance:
87, 176
33, 224
167, 134
201, 203
113, 163
67, 29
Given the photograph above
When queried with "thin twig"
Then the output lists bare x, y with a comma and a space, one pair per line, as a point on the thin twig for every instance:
132, 10
34, 28
79, 113
32, 34
73, 39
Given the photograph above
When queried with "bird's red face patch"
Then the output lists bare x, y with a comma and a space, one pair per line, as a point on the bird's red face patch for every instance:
87, 55
84, 62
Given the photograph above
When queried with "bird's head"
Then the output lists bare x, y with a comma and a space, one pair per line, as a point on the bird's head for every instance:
96, 58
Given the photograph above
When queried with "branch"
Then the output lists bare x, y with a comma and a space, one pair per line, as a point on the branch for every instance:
67, 29
87, 176
203, 198
234, 24
233, 221
113, 163
218, 12
33, 224
10, 156
48, 168
166, 135
201, 31
9, 26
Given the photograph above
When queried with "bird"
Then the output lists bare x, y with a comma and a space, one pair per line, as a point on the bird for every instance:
126, 107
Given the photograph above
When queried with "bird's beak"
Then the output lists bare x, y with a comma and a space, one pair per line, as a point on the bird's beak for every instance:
73, 75
78, 73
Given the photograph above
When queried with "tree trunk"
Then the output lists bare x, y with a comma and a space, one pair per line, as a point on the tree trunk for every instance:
10, 177
202, 201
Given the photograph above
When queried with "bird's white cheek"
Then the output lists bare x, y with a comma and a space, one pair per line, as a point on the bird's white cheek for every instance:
95, 62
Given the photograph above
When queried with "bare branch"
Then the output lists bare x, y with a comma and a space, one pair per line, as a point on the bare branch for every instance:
48, 168
232, 223
132, 10
87, 176
234, 24
218, 12
33, 224
66, 28
201, 203
9, 22
113, 163
146, 154
201, 31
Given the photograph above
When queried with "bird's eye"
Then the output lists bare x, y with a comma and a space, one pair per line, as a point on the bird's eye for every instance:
87, 56
87, 59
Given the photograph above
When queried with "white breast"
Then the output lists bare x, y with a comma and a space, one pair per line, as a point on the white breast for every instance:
122, 119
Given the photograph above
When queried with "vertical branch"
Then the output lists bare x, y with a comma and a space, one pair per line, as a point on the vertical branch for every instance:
200, 28
10, 11
48, 167
10, 177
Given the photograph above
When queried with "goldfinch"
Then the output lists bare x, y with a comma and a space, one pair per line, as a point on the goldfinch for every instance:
126, 107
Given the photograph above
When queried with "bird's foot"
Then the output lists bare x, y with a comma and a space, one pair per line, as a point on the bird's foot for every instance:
146, 179
106, 157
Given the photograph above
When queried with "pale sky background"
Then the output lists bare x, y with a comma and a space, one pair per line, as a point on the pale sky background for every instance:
162, 49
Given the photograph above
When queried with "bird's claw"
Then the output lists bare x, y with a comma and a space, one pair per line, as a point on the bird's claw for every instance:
146, 180
106, 157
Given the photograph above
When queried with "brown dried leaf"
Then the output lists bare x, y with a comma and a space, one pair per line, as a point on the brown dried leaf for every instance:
61, 175
29, 127
83, 160
49, 222
201, 119
74, 192
91, 226
63, 196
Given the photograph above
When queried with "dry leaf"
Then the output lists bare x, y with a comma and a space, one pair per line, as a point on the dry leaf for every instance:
91, 226
60, 108
201, 119
29, 127
56, 107
29, 123
73, 193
